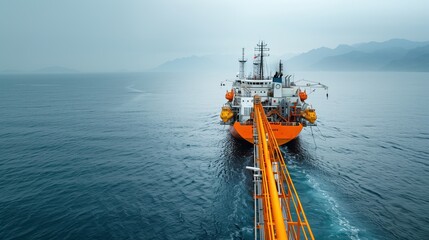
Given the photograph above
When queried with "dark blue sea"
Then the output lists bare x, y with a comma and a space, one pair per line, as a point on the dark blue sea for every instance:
142, 156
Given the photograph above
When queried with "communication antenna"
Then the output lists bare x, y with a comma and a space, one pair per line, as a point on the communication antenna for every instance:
242, 61
261, 47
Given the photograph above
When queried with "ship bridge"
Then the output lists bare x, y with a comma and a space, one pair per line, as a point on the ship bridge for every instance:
278, 210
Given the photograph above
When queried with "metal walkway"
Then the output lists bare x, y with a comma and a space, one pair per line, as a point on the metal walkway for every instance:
278, 210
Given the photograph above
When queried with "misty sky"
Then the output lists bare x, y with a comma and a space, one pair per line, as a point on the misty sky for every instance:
104, 35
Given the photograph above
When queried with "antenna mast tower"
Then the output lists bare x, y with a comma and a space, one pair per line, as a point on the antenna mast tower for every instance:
261, 47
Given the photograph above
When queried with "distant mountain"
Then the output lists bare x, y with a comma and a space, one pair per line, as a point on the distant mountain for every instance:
56, 69
392, 43
183, 64
391, 55
371, 56
416, 59
311, 57
207, 63
212, 63
359, 60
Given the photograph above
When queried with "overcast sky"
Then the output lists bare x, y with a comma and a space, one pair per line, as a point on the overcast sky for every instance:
104, 35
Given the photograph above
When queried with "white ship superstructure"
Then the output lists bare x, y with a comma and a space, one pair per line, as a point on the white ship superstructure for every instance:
282, 100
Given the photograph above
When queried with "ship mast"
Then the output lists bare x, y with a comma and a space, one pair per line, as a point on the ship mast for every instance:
242, 61
261, 47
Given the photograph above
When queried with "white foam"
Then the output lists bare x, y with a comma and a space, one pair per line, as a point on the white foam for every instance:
343, 222
132, 89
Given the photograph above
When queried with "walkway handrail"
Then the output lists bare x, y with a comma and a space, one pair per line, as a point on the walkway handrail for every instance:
283, 214
271, 193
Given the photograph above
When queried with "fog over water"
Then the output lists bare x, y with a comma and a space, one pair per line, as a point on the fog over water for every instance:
138, 35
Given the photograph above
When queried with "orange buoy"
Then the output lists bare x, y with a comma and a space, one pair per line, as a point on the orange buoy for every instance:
302, 95
229, 95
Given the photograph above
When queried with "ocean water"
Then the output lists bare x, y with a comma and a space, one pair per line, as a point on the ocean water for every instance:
142, 156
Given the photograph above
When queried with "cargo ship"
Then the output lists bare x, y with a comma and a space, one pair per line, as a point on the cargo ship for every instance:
284, 100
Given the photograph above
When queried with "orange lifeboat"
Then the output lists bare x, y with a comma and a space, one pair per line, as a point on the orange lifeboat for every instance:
302, 96
226, 114
310, 115
229, 95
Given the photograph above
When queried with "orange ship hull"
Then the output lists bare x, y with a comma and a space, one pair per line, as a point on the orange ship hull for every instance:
283, 133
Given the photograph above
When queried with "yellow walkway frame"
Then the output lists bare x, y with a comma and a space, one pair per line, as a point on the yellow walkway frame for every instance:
278, 210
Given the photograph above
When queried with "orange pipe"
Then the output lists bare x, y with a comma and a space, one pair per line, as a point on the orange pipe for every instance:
280, 228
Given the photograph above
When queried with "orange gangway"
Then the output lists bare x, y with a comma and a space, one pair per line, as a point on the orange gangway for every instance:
278, 210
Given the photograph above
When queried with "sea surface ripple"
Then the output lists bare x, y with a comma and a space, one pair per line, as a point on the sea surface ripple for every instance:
142, 156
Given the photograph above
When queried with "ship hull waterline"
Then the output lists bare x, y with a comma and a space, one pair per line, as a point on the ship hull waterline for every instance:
283, 133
